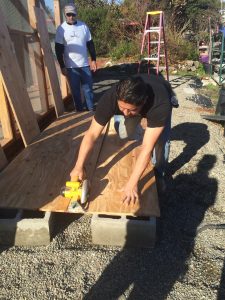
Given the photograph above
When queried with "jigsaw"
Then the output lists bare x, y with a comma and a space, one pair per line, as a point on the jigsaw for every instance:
77, 192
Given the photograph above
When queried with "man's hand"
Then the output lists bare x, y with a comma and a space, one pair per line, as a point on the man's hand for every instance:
64, 71
93, 66
130, 194
77, 174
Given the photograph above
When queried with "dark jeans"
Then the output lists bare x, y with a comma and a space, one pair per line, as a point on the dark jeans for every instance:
81, 77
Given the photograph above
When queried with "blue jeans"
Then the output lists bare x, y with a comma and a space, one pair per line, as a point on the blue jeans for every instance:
130, 128
81, 77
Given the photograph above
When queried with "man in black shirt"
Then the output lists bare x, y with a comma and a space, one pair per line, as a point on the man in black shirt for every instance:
129, 101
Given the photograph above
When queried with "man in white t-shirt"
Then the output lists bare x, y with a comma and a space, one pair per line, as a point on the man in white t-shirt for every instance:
72, 42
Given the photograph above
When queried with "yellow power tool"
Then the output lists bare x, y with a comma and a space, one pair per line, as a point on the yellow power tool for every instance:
77, 192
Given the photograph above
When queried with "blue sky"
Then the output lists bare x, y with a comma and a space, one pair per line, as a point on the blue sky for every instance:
50, 4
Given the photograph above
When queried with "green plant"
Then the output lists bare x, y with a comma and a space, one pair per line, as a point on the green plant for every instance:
200, 70
124, 49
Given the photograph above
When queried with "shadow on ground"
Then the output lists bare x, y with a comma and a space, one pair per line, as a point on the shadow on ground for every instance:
151, 274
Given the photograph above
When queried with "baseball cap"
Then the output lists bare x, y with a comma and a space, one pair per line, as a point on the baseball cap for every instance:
70, 8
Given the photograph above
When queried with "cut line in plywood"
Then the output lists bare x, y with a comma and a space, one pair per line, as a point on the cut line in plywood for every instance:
15, 87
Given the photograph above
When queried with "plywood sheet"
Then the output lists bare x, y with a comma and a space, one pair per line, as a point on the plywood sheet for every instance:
49, 61
115, 165
15, 87
34, 179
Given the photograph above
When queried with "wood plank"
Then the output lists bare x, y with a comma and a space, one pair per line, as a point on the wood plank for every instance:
36, 55
32, 18
15, 87
115, 165
35, 177
49, 61
58, 21
4, 113
3, 160
36, 58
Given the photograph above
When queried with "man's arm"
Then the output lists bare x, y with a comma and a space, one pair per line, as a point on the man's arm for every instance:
150, 138
59, 50
87, 145
91, 49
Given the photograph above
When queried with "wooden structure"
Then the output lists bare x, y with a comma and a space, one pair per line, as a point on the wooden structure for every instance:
34, 179
29, 86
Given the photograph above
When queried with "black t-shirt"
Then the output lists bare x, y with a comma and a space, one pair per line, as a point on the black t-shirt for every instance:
156, 109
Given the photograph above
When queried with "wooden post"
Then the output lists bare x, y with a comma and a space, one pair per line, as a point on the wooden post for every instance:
4, 114
15, 87
3, 160
49, 61
58, 21
37, 58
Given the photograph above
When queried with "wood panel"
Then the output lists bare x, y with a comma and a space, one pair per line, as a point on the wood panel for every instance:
15, 87
115, 165
3, 160
36, 58
35, 177
4, 113
49, 61
63, 82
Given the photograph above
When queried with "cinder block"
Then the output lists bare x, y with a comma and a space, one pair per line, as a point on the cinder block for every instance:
123, 231
24, 228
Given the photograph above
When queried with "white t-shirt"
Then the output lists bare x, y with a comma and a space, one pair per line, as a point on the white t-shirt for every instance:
74, 38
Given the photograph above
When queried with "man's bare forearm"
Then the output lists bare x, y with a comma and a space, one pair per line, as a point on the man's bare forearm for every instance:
85, 150
140, 165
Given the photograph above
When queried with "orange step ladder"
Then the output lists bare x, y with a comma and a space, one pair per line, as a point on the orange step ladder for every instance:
156, 43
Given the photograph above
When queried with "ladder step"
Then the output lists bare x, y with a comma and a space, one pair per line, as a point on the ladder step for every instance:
154, 42
152, 30
161, 68
153, 58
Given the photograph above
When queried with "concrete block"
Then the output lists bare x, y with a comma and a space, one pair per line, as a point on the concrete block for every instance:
24, 228
123, 231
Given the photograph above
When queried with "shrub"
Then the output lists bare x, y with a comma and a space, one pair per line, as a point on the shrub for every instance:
125, 49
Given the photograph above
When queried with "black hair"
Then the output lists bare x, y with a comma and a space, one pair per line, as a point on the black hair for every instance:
132, 90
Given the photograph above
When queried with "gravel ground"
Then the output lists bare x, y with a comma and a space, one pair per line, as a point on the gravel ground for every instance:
188, 261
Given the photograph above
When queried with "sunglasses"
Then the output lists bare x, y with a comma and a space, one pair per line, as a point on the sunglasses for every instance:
70, 15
